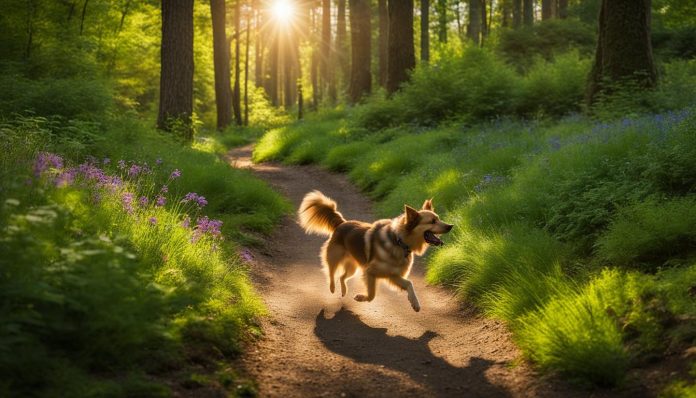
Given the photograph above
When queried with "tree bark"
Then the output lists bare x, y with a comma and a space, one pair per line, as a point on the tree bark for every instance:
425, 31
624, 51
528, 13
473, 30
342, 56
221, 64
246, 67
401, 55
325, 66
176, 76
548, 9
259, 45
383, 41
361, 48
274, 68
82, 17
236, 92
516, 13
442, 21
484, 20
563, 9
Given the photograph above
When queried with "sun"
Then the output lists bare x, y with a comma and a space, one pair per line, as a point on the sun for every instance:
283, 11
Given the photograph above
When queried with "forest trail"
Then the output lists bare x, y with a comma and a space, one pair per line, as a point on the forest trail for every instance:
318, 344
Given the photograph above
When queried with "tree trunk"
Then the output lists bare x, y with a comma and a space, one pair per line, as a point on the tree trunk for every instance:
82, 18
516, 13
506, 13
176, 76
361, 48
246, 67
425, 31
259, 46
484, 20
236, 93
325, 66
342, 58
563, 9
274, 68
221, 62
383, 42
442, 21
548, 9
401, 55
473, 30
528, 13
624, 52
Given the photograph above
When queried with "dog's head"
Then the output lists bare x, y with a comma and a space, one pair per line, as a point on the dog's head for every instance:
424, 225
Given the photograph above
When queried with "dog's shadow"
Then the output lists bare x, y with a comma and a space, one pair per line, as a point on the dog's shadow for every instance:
345, 334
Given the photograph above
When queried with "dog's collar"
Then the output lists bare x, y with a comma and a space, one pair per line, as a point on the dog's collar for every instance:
407, 250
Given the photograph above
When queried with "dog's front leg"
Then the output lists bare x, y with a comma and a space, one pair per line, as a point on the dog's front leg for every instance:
370, 281
407, 285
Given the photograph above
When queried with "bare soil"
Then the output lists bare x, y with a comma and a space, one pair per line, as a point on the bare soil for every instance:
318, 344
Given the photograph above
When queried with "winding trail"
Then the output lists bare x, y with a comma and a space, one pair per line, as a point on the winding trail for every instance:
321, 345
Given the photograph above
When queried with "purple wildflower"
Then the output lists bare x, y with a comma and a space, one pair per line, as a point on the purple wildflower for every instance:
204, 225
127, 201
143, 201
175, 174
201, 201
106, 161
164, 189
134, 170
186, 222
45, 161
65, 178
246, 255
158, 161
153, 220
121, 164
160, 201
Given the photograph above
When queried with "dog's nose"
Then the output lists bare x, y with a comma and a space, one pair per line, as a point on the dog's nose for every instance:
449, 227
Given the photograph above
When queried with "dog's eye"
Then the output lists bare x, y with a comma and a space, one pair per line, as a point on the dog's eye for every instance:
434, 221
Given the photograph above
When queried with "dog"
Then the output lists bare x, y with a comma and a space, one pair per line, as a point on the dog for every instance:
383, 250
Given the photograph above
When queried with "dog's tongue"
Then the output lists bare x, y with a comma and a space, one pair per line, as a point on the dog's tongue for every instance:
432, 239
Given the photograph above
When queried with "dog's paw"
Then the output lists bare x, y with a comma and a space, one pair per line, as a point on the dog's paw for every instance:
416, 306
360, 297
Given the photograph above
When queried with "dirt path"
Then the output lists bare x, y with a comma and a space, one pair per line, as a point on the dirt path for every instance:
318, 344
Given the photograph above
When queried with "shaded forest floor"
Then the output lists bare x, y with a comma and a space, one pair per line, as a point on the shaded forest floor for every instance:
318, 344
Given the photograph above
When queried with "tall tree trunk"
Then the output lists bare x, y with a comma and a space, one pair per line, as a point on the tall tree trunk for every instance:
401, 55
506, 13
342, 57
82, 18
314, 62
458, 16
236, 93
383, 41
176, 76
274, 67
259, 47
425, 30
528, 13
442, 21
221, 63
473, 30
325, 67
624, 52
484, 20
516, 13
246, 67
361, 48
548, 9
563, 9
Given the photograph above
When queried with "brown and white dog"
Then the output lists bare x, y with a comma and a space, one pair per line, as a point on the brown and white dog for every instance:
383, 249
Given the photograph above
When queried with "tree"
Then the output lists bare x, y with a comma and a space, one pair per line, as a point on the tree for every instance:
360, 35
221, 63
548, 9
473, 30
442, 21
236, 91
425, 30
562, 9
516, 13
528, 12
246, 67
342, 58
624, 52
325, 66
400, 55
176, 76
383, 40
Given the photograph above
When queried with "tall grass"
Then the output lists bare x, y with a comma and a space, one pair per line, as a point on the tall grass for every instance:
115, 269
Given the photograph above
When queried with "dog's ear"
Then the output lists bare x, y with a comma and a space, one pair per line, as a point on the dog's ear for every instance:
428, 205
412, 217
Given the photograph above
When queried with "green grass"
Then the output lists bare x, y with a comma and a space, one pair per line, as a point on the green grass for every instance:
97, 298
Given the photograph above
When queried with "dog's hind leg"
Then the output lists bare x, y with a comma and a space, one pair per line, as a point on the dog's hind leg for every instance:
370, 282
332, 256
349, 269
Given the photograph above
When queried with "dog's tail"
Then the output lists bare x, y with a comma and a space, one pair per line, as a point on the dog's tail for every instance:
318, 215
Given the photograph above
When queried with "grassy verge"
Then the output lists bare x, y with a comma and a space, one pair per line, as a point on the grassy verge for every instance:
121, 264
579, 234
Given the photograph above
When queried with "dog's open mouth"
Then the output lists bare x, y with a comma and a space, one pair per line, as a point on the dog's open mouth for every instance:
431, 238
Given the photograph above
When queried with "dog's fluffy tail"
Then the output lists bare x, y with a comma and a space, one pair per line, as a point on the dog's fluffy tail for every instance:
318, 214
